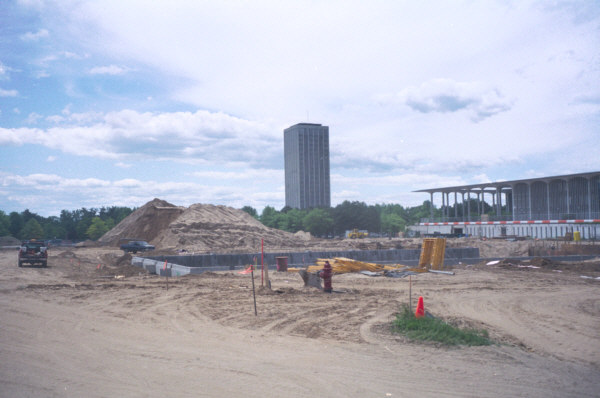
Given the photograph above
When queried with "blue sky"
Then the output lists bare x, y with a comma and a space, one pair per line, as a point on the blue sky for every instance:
108, 103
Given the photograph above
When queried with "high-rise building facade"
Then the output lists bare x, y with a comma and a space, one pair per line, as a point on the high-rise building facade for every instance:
306, 153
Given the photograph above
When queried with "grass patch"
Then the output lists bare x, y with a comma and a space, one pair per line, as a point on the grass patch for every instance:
433, 329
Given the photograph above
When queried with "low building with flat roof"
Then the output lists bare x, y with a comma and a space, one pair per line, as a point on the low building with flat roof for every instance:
546, 207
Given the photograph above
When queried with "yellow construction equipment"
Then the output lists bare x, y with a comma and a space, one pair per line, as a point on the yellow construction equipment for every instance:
432, 253
357, 234
342, 265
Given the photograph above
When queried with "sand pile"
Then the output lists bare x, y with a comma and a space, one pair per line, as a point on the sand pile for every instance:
201, 228
205, 228
210, 228
146, 223
493, 247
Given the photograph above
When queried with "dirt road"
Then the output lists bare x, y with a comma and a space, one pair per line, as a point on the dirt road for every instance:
73, 330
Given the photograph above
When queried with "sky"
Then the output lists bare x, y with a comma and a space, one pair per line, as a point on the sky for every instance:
115, 103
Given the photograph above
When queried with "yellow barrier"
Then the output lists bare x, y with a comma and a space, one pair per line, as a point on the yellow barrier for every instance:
432, 253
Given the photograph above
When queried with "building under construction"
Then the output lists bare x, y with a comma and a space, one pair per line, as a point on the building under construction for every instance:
547, 207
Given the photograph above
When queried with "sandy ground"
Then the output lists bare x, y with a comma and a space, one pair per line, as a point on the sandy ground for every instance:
73, 330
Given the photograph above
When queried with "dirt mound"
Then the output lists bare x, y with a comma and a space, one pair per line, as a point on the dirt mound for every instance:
67, 254
210, 228
493, 247
146, 223
545, 264
542, 262
202, 228
89, 243
303, 235
9, 241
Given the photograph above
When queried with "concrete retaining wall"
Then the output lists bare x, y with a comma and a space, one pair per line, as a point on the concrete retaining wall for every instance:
402, 256
172, 269
196, 264
471, 256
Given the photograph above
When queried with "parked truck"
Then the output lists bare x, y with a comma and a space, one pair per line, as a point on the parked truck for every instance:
135, 246
33, 252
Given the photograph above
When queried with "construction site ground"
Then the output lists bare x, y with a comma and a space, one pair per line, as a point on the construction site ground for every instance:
92, 325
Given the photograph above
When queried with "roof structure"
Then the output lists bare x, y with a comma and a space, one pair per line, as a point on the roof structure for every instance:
507, 184
562, 197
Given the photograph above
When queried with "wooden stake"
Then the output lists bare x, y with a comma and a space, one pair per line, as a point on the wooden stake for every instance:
410, 293
166, 274
254, 292
267, 280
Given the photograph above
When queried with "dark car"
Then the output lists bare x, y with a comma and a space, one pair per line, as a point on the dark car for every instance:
136, 246
33, 252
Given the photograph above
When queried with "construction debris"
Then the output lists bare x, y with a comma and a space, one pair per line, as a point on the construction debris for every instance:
441, 272
343, 265
310, 278
399, 274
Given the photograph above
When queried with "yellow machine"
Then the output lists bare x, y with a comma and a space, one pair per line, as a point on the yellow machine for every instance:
357, 234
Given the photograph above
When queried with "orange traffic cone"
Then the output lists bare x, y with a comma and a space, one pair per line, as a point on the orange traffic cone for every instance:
420, 312
247, 270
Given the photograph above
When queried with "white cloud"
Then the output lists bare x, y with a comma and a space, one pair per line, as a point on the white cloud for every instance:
33, 118
129, 183
55, 119
8, 93
214, 137
246, 175
127, 192
35, 36
108, 70
446, 95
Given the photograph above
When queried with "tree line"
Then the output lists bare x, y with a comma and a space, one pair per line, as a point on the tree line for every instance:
385, 219
76, 225
82, 224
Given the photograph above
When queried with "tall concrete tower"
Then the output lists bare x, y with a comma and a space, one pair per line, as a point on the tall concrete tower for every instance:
306, 153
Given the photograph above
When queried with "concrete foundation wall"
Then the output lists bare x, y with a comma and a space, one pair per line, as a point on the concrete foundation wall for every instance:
300, 259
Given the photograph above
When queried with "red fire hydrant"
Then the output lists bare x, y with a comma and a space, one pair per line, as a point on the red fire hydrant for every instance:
326, 275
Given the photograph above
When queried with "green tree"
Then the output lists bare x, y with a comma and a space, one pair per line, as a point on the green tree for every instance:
16, 224
269, 217
349, 215
68, 222
32, 230
291, 220
96, 229
82, 227
115, 212
250, 210
110, 223
53, 228
318, 222
4, 224
415, 214
392, 223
